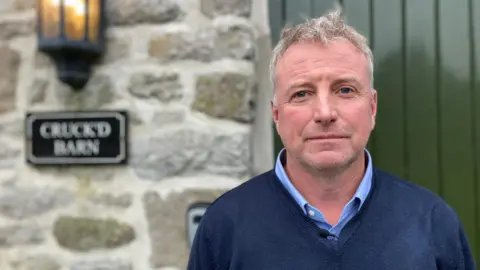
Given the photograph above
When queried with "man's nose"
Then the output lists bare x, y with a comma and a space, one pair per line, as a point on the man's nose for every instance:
324, 109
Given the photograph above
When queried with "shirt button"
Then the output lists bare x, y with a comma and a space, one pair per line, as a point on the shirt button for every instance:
311, 213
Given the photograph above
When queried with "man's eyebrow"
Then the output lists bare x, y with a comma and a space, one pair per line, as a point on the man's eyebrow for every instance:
297, 84
346, 80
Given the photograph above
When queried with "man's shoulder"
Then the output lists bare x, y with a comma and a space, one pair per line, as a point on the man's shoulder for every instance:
247, 193
255, 185
419, 207
406, 190
409, 197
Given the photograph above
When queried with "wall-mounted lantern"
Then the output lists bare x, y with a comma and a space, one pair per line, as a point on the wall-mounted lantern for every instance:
71, 32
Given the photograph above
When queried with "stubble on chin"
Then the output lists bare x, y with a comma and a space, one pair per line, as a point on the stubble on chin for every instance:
325, 161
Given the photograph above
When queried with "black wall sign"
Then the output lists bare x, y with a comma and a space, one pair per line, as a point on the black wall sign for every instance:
84, 137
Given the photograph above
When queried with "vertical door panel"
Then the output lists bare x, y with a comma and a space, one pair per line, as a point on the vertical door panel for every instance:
457, 153
421, 94
276, 19
475, 31
357, 14
320, 7
390, 144
297, 11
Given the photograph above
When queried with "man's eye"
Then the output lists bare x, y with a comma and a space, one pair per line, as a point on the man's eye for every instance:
300, 94
345, 90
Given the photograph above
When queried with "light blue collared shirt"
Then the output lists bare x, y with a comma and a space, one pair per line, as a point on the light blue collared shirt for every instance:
350, 209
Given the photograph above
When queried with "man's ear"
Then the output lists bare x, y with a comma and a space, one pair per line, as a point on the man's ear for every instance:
374, 107
274, 111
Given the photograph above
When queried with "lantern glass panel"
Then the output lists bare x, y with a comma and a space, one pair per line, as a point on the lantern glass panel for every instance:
50, 14
93, 20
75, 16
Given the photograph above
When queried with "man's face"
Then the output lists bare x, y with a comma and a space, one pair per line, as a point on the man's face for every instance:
325, 108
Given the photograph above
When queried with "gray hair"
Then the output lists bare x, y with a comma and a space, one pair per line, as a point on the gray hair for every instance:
328, 28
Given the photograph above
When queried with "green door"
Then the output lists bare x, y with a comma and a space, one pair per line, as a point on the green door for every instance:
427, 74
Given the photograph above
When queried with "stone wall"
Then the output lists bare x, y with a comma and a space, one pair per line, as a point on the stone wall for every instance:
187, 71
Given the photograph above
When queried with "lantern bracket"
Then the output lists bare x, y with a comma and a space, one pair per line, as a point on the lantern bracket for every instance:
73, 66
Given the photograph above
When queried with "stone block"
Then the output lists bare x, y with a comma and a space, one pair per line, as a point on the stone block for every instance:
38, 91
169, 116
16, 26
117, 47
36, 262
19, 235
226, 95
16, 5
105, 264
165, 87
4, 6
127, 12
234, 39
166, 224
22, 203
231, 155
13, 127
9, 154
186, 152
214, 8
87, 234
174, 152
225, 38
184, 44
9, 67
20, 5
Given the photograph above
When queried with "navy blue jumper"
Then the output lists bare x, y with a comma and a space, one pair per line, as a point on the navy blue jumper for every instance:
259, 226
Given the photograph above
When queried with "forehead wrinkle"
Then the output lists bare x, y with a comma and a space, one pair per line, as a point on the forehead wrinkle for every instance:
303, 65
318, 74
297, 66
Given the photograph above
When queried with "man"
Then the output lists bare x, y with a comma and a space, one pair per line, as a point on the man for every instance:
324, 205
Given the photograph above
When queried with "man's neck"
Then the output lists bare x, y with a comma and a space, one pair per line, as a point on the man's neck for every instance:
326, 189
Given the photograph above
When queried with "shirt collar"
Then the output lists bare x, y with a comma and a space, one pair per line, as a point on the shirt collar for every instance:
361, 193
